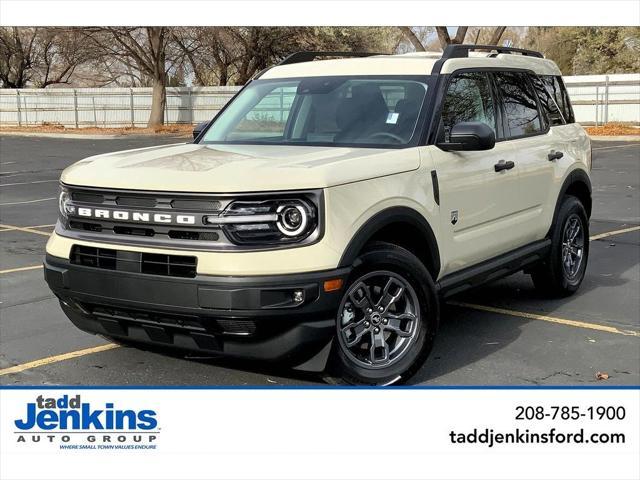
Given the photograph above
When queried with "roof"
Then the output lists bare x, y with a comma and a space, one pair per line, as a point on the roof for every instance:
415, 63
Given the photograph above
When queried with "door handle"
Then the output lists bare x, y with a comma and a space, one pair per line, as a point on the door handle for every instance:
553, 155
502, 165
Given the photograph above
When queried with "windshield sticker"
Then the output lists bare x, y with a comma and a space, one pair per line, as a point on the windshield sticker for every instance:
392, 118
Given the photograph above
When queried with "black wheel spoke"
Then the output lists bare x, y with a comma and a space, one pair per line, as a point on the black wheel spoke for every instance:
379, 350
354, 331
392, 291
395, 324
361, 296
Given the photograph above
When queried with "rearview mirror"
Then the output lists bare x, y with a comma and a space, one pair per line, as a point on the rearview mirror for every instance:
468, 136
197, 130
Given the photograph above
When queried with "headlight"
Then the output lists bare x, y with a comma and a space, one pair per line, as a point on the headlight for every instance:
64, 203
292, 219
267, 222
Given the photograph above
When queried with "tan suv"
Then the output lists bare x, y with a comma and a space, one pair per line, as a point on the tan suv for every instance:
323, 214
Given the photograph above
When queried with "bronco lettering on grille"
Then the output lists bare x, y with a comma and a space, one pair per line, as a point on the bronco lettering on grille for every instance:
143, 217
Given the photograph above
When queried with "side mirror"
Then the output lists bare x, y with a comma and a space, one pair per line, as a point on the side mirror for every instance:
468, 136
197, 130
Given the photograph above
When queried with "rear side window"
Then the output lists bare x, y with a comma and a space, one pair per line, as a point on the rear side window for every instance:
550, 107
555, 86
468, 99
519, 103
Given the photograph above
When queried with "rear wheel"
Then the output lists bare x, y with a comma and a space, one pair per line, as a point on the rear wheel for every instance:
387, 318
563, 271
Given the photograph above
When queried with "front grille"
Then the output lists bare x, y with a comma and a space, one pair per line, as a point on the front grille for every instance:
134, 262
148, 232
136, 202
143, 232
94, 257
90, 227
194, 235
87, 197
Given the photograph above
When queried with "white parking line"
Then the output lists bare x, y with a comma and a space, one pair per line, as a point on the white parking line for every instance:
26, 183
547, 318
6, 228
20, 269
614, 232
57, 358
28, 201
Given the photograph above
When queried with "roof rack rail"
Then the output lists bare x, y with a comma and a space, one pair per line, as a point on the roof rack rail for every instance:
300, 57
462, 51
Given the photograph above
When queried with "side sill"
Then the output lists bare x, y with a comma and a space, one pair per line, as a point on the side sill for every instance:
493, 269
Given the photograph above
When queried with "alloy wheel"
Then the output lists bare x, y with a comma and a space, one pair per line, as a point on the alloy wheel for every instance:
572, 246
378, 319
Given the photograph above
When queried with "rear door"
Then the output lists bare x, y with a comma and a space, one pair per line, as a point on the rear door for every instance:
527, 127
476, 202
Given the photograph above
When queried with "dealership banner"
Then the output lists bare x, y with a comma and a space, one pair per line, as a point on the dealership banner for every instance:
317, 433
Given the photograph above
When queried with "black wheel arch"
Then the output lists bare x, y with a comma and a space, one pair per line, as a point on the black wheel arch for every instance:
577, 184
402, 226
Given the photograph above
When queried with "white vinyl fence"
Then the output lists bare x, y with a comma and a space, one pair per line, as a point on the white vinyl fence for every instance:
596, 99
601, 99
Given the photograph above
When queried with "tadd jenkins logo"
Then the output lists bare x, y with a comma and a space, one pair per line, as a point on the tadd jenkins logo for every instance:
73, 424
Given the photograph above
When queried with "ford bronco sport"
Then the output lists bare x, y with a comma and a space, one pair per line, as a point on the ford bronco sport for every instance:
324, 213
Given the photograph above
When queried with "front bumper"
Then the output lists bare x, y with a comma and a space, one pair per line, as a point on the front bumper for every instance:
245, 317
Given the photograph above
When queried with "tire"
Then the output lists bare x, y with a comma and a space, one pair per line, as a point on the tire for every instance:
555, 276
399, 319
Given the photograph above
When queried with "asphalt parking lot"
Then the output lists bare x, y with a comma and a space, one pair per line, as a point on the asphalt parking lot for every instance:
502, 334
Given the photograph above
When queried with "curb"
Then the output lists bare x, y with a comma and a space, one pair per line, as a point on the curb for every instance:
615, 138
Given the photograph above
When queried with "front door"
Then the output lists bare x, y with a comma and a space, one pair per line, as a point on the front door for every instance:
477, 207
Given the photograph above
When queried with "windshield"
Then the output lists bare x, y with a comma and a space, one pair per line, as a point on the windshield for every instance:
353, 111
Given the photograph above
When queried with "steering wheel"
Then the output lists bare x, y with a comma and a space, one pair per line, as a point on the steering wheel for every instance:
393, 136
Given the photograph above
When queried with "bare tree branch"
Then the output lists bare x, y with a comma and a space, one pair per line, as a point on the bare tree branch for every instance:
496, 35
413, 38
443, 37
460, 34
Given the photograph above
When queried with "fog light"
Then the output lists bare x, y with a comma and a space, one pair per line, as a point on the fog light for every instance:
298, 296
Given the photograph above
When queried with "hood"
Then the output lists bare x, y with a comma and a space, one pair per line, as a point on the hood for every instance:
192, 167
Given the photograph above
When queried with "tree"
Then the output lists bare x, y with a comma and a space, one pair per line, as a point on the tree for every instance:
445, 39
144, 49
413, 38
40, 57
558, 44
480, 35
588, 50
602, 50
236, 54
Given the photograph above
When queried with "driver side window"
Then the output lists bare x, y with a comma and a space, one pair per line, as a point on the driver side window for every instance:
468, 99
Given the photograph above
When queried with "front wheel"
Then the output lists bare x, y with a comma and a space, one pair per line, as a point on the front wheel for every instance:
387, 318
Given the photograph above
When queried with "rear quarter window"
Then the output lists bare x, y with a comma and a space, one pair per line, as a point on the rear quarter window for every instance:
550, 108
555, 86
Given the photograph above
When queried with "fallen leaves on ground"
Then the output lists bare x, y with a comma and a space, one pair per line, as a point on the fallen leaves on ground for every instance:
183, 130
613, 129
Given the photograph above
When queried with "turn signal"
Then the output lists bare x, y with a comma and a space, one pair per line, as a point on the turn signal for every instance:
333, 285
